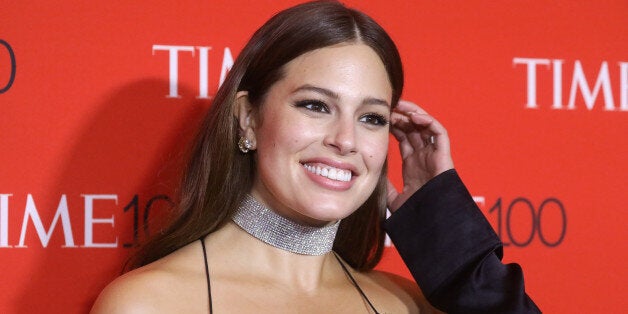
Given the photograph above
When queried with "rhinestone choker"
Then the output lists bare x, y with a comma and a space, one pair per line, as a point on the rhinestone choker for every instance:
267, 226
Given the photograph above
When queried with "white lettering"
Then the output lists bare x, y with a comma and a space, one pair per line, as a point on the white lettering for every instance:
227, 64
4, 220
623, 86
531, 80
90, 220
579, 81
203, 72
44, 237
173, 67
480, 200
558, 84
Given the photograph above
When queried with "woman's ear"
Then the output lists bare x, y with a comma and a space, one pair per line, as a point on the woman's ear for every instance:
245, 115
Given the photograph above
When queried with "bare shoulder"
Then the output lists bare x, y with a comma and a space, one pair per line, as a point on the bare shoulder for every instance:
138, 291
169, 284
404, 289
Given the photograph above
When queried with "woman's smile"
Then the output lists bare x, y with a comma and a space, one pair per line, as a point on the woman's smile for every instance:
328, 119
329, 174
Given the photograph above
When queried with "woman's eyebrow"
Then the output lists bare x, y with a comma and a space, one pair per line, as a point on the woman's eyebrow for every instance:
316, 89
333, 95
375, 101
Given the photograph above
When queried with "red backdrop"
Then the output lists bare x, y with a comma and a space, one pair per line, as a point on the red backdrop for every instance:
98, 100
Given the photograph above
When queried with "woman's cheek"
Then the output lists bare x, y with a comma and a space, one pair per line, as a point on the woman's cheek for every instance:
377, 150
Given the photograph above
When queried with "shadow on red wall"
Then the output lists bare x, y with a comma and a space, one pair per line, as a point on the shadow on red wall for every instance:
127, 159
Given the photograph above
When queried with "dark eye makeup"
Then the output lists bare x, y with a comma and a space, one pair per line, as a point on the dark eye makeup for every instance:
374, 119
312, 105
318, 106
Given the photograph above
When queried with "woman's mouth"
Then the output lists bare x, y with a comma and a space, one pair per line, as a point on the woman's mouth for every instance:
329, 172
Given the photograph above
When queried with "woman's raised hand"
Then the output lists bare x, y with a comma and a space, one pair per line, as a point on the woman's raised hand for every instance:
424, 147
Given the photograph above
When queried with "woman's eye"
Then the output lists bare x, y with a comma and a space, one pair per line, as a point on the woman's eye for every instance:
374, 119
313, 105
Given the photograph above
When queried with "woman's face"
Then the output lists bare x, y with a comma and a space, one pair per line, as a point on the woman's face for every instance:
322, 134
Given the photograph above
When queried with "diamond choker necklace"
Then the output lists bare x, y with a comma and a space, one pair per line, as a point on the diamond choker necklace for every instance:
264, 224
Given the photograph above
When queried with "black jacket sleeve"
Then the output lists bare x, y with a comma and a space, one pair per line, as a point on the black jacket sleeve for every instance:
454, 254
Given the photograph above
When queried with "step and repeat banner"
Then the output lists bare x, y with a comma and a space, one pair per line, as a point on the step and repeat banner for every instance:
98, 101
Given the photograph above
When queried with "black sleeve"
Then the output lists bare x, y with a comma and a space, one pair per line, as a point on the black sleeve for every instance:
454, 254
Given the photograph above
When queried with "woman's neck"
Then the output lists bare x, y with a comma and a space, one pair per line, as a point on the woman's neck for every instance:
267, 226
246, 254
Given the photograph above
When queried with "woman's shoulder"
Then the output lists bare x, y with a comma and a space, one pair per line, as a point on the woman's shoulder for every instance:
157, 287
405, 290
138, 291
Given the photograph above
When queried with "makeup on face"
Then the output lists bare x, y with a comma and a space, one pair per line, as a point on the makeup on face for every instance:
324, 134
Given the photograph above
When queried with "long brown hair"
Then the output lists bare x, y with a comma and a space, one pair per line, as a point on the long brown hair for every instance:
218, 176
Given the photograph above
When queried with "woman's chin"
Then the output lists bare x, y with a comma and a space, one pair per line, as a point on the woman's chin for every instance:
326, 214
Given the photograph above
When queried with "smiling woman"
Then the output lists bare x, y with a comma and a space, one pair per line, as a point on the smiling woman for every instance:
329, 112
283, 201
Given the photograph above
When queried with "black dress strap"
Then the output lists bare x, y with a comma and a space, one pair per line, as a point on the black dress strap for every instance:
209, 288
355, 283
344, 268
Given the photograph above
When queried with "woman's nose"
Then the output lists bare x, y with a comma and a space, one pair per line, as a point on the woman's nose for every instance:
341, 136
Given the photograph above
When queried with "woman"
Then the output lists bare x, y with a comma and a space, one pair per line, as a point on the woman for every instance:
290, 161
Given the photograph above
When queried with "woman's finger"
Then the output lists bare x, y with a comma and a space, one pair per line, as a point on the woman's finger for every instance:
411, 122
407, 106
405, 147
434, 134
417, 128
391, 195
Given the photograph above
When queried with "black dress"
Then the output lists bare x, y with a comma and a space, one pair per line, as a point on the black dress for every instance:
454, 254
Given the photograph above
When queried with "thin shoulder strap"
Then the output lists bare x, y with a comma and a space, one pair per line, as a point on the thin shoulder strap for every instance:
209, 288
355, 283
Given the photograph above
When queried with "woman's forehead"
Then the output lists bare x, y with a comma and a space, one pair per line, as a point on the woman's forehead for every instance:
344, 70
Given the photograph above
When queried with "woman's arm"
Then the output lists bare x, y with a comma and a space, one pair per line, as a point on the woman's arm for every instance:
454, 254
444, 239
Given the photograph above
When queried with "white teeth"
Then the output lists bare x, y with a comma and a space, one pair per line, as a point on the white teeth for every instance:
330, 172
